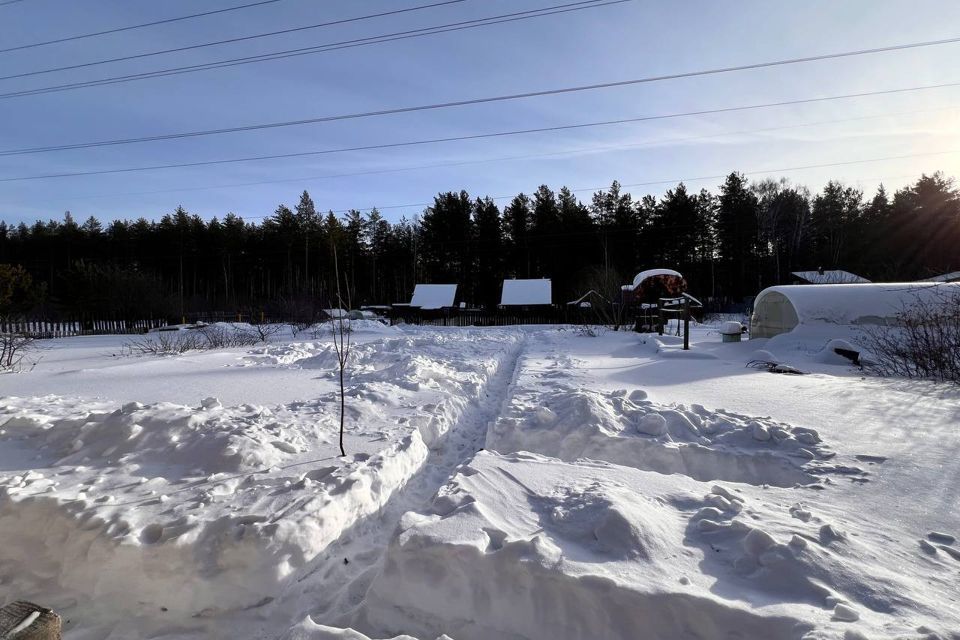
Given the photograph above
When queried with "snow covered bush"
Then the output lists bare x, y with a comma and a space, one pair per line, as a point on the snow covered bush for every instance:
924, 342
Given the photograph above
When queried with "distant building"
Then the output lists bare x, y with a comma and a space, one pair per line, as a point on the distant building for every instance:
527, 293
830, 276
953, 276
333, 314
588, 300
434, 296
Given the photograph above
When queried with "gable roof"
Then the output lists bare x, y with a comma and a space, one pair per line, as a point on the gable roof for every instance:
433, 296
526, 292
953, 276
831, 276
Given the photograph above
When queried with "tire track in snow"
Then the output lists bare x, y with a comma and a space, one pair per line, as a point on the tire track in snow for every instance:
334, 584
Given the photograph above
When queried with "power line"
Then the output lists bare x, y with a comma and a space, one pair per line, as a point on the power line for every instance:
510, 158
677, 180
468, 25
290, 53
719, 176
445, 105
300, 154
231, 40
131, 27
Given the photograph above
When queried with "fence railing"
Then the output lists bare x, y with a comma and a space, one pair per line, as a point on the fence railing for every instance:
86, 327
454, 317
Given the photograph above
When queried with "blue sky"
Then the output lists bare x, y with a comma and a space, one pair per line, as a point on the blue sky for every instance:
630, 40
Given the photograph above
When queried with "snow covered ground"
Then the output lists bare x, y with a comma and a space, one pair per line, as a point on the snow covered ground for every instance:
528, 482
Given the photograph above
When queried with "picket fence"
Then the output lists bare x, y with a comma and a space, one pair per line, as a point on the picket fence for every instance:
44, 329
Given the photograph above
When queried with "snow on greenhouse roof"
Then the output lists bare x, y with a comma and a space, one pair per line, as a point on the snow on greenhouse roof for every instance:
833, 276
526, 292
858, 303
650, 273
433, 296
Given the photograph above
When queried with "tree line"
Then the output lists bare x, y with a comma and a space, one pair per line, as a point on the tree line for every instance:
729, 244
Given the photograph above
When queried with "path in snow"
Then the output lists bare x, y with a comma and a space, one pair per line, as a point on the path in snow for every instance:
331, 588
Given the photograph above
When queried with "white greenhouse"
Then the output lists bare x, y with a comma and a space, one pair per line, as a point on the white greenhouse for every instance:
779, 310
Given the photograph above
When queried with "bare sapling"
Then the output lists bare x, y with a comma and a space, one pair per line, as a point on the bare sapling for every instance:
263, 330
341, 339
922, 342
14, 348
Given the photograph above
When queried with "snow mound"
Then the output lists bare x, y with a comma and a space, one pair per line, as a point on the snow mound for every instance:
163, 512
524, 546
310, 630
543, 549
568, 422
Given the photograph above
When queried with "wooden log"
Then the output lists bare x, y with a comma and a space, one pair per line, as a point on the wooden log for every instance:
27, 621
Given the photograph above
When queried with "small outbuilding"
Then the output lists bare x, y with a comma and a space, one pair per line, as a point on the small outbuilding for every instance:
333, 314
953, 276
828, 276
779, 310
588, 300
527, 293
434, 296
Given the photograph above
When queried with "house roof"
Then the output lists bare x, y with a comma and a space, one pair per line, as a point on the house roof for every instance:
649, 273
953, 276
584, 297
526, 292
831, 276
433, 296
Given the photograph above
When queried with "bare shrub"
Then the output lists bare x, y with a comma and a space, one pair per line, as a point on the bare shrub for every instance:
591, 330
221, 337
605, 306
14, 349
164, 343
923, 342
263, 331
296, 328
202, 339
322, 330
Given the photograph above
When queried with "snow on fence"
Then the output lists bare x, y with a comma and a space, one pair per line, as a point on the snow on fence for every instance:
68, 328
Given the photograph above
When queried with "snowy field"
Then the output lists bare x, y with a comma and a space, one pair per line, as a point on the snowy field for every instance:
518, 483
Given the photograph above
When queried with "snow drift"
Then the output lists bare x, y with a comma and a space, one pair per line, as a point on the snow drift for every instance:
524, 546
169, 512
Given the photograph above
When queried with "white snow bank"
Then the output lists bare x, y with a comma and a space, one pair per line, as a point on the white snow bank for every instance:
553, 414
310, 630
523, 546
171, 513
160, 508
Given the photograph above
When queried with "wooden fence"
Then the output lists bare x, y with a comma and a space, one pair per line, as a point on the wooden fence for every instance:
492, 318
86, 327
